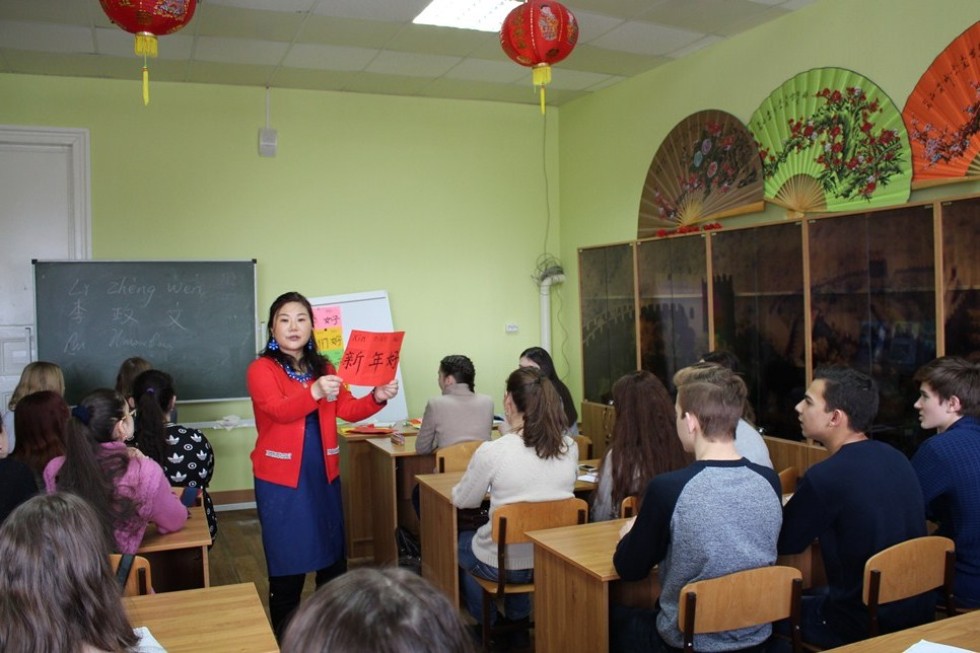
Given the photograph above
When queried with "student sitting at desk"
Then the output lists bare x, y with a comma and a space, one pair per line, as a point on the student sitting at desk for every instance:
57, 592
459, 414
534, 462
862, 499
948, 463
717, 516
184, 453
126, 489
644, 443
42, 418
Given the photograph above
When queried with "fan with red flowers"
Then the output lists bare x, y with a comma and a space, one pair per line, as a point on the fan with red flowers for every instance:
707, 168
942, 114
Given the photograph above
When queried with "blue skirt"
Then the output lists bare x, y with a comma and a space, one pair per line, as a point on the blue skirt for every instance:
302, 528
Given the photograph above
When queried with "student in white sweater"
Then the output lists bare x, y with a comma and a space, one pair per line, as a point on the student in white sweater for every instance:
535, 462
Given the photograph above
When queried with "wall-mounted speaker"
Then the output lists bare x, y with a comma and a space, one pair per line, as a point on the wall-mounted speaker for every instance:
268, 142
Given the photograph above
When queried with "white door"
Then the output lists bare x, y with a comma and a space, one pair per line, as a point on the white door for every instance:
44, 214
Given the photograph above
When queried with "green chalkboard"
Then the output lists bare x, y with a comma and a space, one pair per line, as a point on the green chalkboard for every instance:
193, 319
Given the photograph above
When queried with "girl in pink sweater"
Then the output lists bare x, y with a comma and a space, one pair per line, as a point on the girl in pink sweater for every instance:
126, 489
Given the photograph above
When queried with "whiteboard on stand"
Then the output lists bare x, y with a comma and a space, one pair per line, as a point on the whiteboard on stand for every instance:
368, 311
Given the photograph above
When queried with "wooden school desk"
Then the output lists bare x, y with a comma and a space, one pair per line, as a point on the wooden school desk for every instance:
179, 561
393, 471
224, 619
574, 579
962, 631
439, 530
355, 475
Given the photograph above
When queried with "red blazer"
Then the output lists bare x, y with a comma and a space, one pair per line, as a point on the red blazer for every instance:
281, 405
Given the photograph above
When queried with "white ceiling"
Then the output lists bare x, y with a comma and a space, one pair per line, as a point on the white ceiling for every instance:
368, 46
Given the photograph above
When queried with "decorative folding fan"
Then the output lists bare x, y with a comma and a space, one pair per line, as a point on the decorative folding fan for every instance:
707, 168
831, 140
942, 114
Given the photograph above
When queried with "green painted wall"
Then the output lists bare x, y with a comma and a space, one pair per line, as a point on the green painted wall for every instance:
439, 202
609, 139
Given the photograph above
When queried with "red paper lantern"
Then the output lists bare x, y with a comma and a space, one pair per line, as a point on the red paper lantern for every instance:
537, 34
148, 19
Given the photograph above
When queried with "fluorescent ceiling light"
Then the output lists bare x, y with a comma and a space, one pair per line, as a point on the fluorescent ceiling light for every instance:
482, 15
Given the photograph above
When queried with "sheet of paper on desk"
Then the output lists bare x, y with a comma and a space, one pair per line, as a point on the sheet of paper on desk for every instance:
924, 646
147, 642
591, 477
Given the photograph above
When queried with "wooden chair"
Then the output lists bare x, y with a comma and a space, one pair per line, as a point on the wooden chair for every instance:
456, 457
735, 601
629, 506
584, 446
140, 580
510, 525
788, 478
906, 569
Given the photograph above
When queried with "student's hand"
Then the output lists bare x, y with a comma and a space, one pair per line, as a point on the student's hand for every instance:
134, 452
626, 527
383, 393
326, 387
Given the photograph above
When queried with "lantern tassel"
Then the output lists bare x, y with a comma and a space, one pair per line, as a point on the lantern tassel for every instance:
541, 77
146, 86
145, 45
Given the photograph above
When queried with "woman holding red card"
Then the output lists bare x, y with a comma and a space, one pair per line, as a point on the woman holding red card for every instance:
297, 398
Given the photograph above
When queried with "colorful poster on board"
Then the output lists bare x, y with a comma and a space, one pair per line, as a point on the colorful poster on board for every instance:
371, 358
328, 330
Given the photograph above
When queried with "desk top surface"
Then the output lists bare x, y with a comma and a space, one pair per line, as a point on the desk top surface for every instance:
589, 547
214, 619
195, 533
397, 450
962, 631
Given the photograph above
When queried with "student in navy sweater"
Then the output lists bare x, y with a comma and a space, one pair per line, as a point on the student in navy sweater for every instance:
862, 499
948, 464
717, 516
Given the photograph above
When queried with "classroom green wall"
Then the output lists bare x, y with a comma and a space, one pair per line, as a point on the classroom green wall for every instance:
439, 202
608, 139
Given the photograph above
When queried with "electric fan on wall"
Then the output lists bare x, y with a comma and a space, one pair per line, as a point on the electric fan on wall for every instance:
942, 114
831, 140
707, 168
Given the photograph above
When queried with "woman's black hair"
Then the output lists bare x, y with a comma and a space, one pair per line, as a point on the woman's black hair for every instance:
460, 368
153, 392
535, 397
547, 366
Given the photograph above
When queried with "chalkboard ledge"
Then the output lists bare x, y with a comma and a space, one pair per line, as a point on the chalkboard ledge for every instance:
223, 424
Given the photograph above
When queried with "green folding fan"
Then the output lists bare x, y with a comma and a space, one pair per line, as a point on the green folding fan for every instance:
831, 140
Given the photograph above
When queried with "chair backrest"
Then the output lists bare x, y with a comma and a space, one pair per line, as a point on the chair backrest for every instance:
456, 457
140, 580
584, 446
788, 479
629, 506
512, 521
732, 601
907, 569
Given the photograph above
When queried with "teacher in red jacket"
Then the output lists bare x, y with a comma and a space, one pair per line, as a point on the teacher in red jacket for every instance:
297, 398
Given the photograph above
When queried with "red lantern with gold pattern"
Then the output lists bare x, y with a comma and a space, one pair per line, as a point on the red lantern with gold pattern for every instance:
148, 19
539, 33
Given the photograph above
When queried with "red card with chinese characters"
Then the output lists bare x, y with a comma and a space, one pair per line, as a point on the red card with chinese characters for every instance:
371, 358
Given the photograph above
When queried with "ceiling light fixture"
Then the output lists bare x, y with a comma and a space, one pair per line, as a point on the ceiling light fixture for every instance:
481, 15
